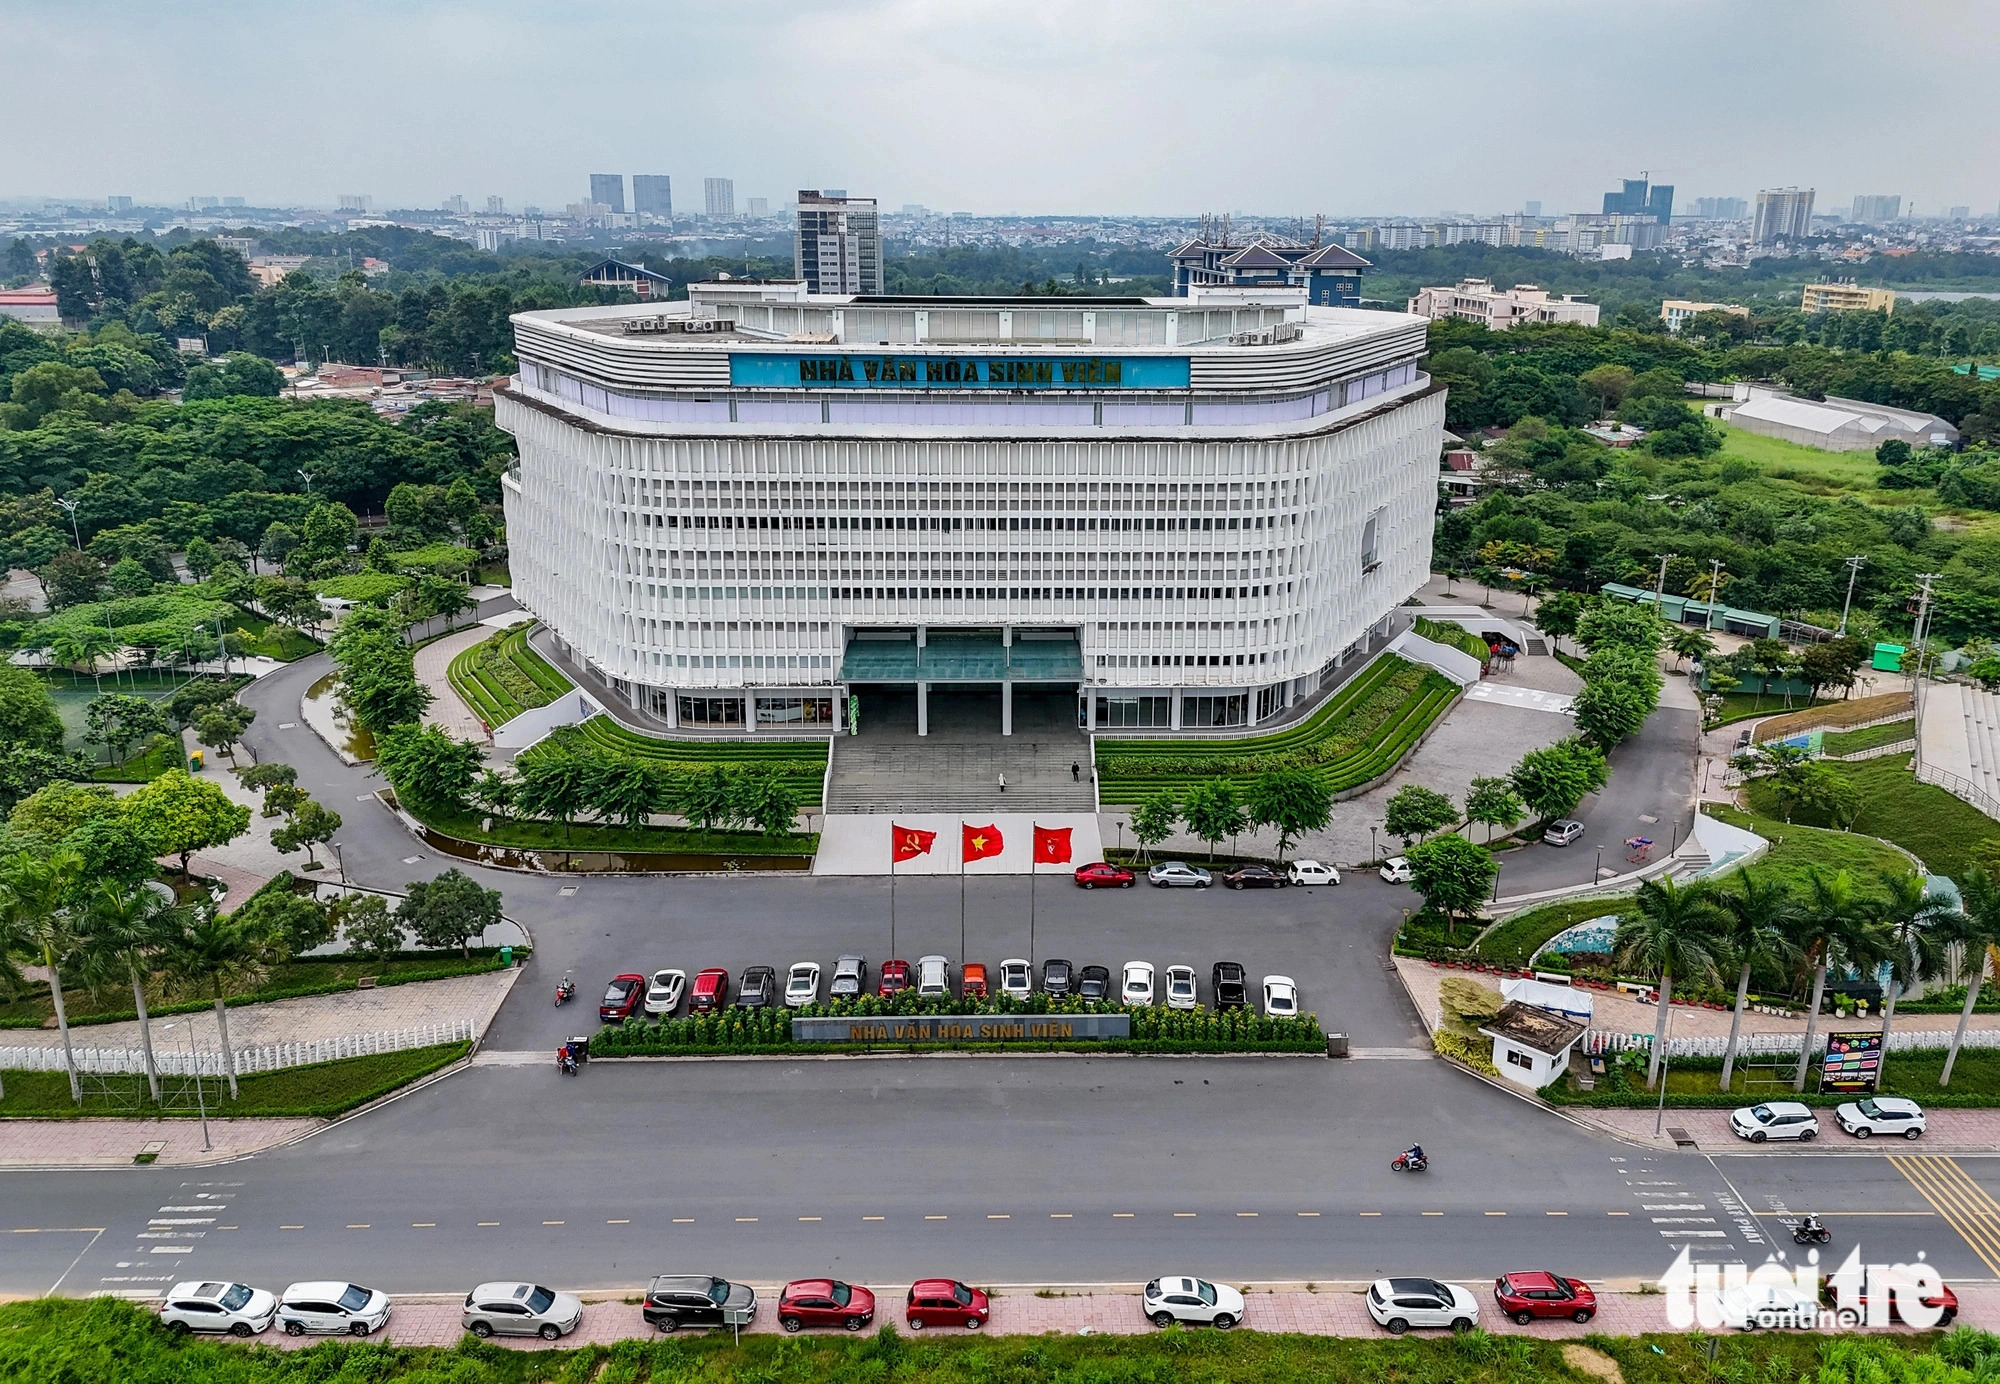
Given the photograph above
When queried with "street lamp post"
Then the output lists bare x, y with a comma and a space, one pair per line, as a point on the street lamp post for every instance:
1598, 873
200, 1102
342, 860
307, 477
69, 507
1660, 1111
1373, 854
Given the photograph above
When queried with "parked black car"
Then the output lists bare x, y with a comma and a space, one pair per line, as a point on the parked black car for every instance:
1231, 984
759, 989
677, 1300
1254, 877
1057, 976
1093, 983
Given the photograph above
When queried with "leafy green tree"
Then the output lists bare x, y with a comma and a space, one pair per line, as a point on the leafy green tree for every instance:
111, 848
627, 789
28, 714
263, 777
1494, 803
216, 957
299, 921
1670, 931
81, 646
1610, 709
1154, 820
1753, 929
1453, 875
449, 910
367, 925
1558, 615
1554, 779
122, 923
279, 542
311, 825
707, 797
1415, 811
1917, 947
25, 772
180, 814
430, 769
54, 811
222, 726
1213, 811
555, 782
1624, 623
1687, 642
1294, 801
191, 700
71, 578
766, 799
127, 578
115, 720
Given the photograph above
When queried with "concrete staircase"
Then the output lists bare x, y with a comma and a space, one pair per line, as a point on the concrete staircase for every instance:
1960, 739
957, 767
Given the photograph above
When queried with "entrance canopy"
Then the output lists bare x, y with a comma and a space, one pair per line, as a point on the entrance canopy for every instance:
953, 656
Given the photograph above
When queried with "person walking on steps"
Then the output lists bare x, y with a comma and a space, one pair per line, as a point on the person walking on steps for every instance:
1003, 783
1075, 772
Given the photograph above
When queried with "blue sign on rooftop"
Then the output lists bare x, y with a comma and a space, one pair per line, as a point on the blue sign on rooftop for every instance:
884, 371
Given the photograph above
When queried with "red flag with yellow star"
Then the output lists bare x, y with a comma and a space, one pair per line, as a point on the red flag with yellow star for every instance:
910, 842
980, 842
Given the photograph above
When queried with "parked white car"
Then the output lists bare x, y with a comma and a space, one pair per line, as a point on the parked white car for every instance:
664, 991
1170, 874
236, 1308
521, 1309
1181, 988
1881, 1115
332, 1309
1775, 1119
1137, 986
1401, 1303
1311, 872
1396, 869
1281, 997
1192, 1300
802, 984
933, 976
1017, 977
1767, 1305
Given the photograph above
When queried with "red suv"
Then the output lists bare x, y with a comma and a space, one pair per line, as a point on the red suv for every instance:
1527, 1296
895, 978
709, 992
945, 1302
825, 1302
621, 998
1945, 1304
1102, 875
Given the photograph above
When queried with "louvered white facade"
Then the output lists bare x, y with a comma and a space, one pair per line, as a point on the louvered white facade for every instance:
1216, 497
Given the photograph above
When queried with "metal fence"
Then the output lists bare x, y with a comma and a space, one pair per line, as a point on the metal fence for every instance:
1599, 1041
1877, 752
1962, 789
271, 1058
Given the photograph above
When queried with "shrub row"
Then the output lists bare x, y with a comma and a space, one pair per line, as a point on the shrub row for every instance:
1455, 637
501, 677
801, 760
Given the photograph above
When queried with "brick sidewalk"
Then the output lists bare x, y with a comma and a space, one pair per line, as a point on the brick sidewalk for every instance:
1331, 1311
1949, 1131
101, 1143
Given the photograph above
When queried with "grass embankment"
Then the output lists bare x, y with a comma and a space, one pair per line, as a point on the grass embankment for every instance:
112, 1003
1833, 715
1797, 849
501, 677
1694, 1083
1361, 733
107, 1339
1515, 941
1839, 742
1931, 824
323, 1090
801, 762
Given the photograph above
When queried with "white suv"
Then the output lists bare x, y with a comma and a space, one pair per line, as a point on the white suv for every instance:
1775, 1119
1401, 1303
1194, 1300
236, 1308
332, 1309
933, 977
521, 1309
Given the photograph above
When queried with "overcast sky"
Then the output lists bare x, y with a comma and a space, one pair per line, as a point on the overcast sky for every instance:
1349, 107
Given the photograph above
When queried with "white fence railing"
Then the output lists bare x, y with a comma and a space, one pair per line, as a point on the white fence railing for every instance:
1830, 726
1876, 752
271, 1058
1962, 789
1599, 1041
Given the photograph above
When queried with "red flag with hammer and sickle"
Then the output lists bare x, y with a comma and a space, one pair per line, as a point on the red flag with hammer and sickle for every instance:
910, 842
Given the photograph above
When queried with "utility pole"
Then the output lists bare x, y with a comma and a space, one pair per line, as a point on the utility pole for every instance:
1660, 591
1920, 636
1853, 571
1714, 588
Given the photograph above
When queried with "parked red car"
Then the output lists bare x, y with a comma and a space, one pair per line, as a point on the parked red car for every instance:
621, 997
895, 978
1101, 874
972, 980
945, 1302
709, 992
1946, 1300
1528, 1296
825, 1302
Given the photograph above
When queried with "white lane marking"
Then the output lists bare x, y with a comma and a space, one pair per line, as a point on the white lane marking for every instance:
182, 1220
1675, 1206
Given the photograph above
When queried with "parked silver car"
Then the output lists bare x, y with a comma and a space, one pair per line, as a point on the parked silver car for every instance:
850, 978
335, 1309
933, 976
521, 1309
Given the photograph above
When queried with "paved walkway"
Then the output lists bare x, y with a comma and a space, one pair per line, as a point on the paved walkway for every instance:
1947, 1132
449, 710
109, 1143
1328, 1310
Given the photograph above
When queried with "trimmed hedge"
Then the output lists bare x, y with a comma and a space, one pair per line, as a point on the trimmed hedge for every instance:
501, 677
769, 1030
1455, 637
1360, 734
369, 588
1912, 1073
802, 762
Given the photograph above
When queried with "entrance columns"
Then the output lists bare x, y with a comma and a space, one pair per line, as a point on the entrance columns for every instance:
1090, 710
1007, 707
672, 710
1006, 636
1173, 708
749, 712
923, 708
923, 632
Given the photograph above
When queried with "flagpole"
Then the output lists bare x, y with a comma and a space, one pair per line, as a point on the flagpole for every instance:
1034, 868
894, 848
961, 895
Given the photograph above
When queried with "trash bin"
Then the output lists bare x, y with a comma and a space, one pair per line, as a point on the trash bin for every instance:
1336, 1045
579, 1048
194, 760
506, 956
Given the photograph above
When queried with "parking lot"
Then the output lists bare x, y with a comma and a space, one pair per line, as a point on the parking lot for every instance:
1332, 941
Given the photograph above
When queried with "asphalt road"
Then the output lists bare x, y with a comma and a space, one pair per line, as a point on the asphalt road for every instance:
1001, 1170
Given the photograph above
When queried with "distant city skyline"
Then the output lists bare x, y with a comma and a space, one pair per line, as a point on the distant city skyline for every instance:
1023, 111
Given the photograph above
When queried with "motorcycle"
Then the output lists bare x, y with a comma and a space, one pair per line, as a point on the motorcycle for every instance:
1802, 1234
1406, 1164
566, 990
566, 1062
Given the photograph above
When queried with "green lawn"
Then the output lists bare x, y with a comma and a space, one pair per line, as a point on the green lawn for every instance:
1931, 824
502, 676
1789, 461
801, 762
1836, 742
592, 836
145, 765
268, 639
1797, 849
1975, 1081
324, 1090
1514, 942
73, 693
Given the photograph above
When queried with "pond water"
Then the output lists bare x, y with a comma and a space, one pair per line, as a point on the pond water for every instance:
359, 741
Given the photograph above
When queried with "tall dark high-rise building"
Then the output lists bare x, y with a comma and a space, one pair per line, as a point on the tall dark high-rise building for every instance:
608, 188
652, 194
1660, 202
1637, 199
837, 245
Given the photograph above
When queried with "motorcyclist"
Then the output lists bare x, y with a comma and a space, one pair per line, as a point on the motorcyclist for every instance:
1811, 1226
566, 1060
1415, 1154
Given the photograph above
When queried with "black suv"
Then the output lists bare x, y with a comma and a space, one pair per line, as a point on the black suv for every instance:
1230, 982
1093, 983
759, 988
677, 1300
1056, 975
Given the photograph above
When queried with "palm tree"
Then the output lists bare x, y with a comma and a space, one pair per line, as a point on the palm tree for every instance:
120, 922
32, 914
1975, 927
1917, 947
216, 956
85, 644
1671, 930
1757, 916
1688, 642
1835, 926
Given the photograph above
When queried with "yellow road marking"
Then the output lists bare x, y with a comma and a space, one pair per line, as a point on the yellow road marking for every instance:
1964, 1204
1121, 1215
1496, 1213
937, 1218
1617, 1213
1432, 1213
489, 1222
1184, 1215
1365, 1213
1246, 1213
1555, 1213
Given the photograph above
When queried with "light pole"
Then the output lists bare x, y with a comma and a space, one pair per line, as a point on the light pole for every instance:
1660, 1111
1373, 854
1598, 873
307, 477
1853, 571
342, 860
69, 507
1660, 591
200, 1102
